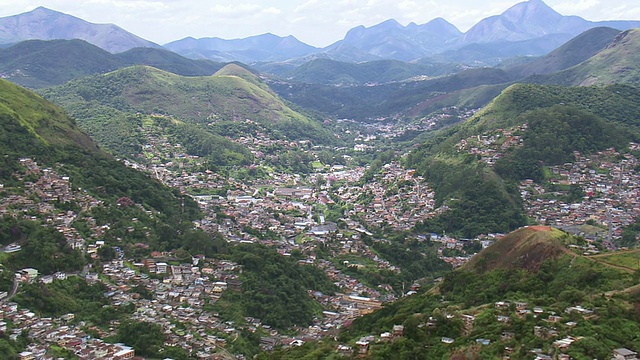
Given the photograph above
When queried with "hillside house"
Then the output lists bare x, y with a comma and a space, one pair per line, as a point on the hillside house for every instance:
624, 354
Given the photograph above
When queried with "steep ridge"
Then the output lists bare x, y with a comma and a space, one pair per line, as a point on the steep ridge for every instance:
32, 127
573, 52
39, 63
617, 63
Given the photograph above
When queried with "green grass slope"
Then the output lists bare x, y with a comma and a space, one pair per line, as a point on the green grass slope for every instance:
41, 124
573, 52
525, 248
37, 63
616, 64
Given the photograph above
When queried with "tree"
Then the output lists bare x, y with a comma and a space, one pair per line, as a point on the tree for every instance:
146, 338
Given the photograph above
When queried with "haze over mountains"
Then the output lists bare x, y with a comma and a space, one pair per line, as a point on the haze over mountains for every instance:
529, 28
45, 24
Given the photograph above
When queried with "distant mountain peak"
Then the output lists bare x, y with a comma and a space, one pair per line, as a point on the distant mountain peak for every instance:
535, 10
44, 9
390, 22
43, 23
524, 21
439, 20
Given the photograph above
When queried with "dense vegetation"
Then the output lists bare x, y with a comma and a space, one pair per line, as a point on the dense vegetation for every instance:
233, 94
44, 248
415, 259
70, 296
274, 288
554, 134
559, 282
146, 338
479, 203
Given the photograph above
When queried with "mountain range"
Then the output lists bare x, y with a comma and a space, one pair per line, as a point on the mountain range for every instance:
39, 63
45, 24
530, 28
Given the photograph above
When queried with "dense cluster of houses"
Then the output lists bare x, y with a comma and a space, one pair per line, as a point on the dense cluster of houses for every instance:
287, 212
491, 146
611, 187
61, 332
394, 198
608, 179
44, 190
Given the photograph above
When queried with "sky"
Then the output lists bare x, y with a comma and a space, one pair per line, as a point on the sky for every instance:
315, 22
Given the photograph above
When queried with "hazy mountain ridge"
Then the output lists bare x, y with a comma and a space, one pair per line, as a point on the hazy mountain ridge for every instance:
40, 63
526, 23
46, 24
265, 47
527, 28
573, 52
617, 63
578, 61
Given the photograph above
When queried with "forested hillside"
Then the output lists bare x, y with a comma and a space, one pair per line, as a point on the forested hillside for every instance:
482, 192
197, 110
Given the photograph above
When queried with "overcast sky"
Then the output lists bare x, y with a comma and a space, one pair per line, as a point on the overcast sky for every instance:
315, 22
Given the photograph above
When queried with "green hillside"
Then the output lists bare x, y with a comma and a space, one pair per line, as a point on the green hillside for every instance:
482, 194
38, 63
615, 103
231, 95
521, 295
526, 248
31, 127
616, 64
168, 61
573, 52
